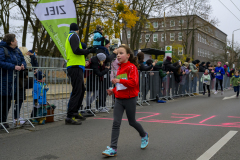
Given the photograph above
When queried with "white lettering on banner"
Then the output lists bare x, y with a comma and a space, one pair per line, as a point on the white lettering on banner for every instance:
55, 10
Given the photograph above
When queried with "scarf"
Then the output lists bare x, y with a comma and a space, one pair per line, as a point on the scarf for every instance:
237, 76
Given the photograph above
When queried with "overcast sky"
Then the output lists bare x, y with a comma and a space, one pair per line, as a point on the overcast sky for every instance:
227, 22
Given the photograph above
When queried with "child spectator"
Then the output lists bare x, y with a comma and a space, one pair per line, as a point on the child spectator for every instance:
219, 72
235, 80
205, 79
98, 39
40, 97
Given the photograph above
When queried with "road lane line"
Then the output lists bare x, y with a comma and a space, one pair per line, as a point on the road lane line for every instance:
217, 146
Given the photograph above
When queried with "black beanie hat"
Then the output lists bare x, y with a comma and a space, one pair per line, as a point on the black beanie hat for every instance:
107, 41
197, 61
194, 62
74, 27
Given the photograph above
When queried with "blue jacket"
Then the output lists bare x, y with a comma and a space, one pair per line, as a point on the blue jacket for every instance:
219, 75
7, 68
40, 92
97, 38
34, 61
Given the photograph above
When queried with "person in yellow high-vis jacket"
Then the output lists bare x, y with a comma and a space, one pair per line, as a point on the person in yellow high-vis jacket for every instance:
75, 67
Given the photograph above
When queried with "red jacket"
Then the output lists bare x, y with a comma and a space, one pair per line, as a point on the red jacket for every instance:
131, 81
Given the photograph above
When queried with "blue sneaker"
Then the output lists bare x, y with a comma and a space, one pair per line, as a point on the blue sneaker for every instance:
110, 152
145, 141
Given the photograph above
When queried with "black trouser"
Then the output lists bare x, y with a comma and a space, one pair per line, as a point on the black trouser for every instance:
130, 106
204, 87
5, 105
221, 82
78, 90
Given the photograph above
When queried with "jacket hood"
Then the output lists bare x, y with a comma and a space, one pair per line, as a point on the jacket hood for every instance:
167, 62
160, 63
202, 63
207, 64
4, 44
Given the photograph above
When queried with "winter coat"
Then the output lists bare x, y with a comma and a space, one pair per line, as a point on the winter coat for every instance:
34, 61
161, 73
194, 69
109, 58
206, 79
184, 77
40, 92
234, 81
129, 78
169, 66
202, 68
7, 68
227, 70
114, 68
219, 75
177, 75
144, 67
97, 38
96, 75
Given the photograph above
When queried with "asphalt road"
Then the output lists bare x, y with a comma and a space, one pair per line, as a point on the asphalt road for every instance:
184, 129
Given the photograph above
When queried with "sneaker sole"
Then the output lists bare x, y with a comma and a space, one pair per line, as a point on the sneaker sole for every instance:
147, 144
109, 155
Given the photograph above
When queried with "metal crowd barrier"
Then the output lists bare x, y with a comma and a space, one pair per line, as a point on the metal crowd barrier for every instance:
18, 108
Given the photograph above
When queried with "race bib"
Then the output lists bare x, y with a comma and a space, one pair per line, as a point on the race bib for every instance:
219, 74
119, 85
205, 81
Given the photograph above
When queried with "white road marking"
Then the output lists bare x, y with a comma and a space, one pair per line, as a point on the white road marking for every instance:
217, 146
234, 96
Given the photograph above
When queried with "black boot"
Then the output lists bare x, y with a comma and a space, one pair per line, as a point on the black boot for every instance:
72, 121
208, 94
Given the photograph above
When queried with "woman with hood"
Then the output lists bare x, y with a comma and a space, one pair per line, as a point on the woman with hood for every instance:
177, 75
184, 84
163, 76
194, 71
202, 67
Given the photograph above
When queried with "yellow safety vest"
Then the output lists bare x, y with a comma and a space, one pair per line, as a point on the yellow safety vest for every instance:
73, 59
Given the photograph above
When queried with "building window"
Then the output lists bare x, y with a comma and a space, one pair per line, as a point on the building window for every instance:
181, 22
148, 25
155, 37
172, 23
172, 36
180, 36
147, 38
180, 50
128, 34
162, 23
202, 52
206, 53
162, 37
140, 39
155, 24
199, 52
209, 56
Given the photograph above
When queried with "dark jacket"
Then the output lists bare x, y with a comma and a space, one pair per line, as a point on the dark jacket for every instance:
144, 68
169, 67
7, 68
177, 75
34, 61
202, 68
109, 58
161, 73
96, 76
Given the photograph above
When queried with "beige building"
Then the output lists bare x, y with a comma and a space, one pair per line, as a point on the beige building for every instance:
201, 39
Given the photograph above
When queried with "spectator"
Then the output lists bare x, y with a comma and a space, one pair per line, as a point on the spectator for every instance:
40, 90
177, 75
227, 72
212, 75
10, 63
109, 58
169, 66
99, 40
114, 68
27, 57
202, 67
197, 63
163, 76
142, 66
34, 61
184, 84
194, 71
188, 60
114, 46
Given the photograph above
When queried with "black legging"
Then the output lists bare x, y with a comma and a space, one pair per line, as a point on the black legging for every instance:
204, 88
221, 82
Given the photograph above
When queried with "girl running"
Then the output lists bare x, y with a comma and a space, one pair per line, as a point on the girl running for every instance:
219, 72
235, 80
126, 92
